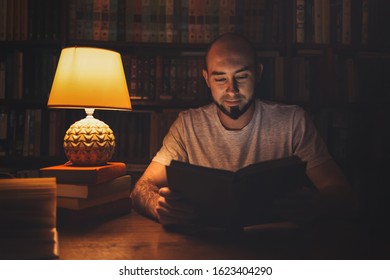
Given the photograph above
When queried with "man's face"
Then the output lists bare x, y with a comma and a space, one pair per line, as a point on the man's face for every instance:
231, 78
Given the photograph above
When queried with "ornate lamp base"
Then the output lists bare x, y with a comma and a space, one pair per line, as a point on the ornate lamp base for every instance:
89, 141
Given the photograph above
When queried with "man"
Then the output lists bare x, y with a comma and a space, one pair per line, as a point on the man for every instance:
237, 130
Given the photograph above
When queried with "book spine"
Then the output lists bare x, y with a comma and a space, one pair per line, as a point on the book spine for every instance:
191, 21
152, 78
325, 22
279, 79
27, 130
137, 22
176, 21
24, 20
3, 20
10, 20
88, 18
134, 90
356, 22
365, 21
3, 131
2, 80
46, 21
97, 19
72, 19
146, 23
79, 22
105, 22
318, 13
113, 20
37, 132
173, 77
166, 88
223, 16
207, 25
169, 21
184, 21
346, 22
199, 21
192, 79
259, 19
246, 18
335, 21
154, 27
129, 21
18, 75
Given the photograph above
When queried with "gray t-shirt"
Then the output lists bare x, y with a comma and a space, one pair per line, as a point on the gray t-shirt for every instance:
275, 131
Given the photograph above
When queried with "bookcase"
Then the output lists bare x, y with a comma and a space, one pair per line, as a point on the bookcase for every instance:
330, 56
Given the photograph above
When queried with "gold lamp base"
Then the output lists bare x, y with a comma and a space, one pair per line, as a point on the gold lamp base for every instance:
89, 141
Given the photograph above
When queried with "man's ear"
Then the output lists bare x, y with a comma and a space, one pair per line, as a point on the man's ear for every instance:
206, 77
259, 71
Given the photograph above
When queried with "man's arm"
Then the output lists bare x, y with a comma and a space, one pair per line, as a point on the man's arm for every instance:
335, 197
145, 193
152, 197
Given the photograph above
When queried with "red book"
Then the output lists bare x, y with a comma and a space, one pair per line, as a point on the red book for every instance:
68, 173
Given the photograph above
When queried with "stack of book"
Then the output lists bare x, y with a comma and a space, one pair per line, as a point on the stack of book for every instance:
90, 193
28, 218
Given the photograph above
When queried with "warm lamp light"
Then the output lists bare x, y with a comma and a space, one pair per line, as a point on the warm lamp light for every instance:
89, 78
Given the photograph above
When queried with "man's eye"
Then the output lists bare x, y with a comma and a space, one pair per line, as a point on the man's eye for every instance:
242, 77
220, 80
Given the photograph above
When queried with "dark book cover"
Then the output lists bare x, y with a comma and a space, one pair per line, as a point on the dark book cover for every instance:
229, 199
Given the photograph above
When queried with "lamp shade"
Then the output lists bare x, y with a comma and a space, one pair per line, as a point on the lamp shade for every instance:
89, 78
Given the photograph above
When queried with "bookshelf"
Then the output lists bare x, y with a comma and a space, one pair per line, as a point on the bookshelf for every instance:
330, 56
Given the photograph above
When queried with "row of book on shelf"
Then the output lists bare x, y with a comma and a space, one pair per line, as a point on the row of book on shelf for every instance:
165, 77
29, 75
141, 21
22, 20
179, 21
34, 132
340, 21
195, 21
25, 75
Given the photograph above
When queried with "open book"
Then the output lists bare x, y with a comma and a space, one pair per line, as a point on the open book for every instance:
234, 199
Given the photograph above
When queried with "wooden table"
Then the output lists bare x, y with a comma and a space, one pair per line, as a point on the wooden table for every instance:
135, 237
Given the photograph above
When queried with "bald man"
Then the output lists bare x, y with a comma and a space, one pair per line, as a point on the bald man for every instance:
236, 130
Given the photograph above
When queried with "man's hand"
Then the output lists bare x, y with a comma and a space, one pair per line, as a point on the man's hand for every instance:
171, 209
295, 206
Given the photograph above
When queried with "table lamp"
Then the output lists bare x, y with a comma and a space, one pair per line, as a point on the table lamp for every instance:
89, 78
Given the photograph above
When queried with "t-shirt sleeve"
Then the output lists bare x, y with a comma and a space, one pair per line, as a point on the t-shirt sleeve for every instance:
307, 142
173, 146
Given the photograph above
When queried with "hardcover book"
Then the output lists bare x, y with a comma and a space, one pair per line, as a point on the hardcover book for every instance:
84, 203
234, 199
95, 214
94, 190
70, 174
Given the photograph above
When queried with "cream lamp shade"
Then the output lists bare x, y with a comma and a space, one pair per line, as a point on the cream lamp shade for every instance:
89, 78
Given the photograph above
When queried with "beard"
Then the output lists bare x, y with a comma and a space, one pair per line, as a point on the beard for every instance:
234, 112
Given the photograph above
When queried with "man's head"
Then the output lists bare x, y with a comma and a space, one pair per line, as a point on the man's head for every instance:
231, 73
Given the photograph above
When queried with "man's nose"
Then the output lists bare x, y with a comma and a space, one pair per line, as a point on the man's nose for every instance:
231, 86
